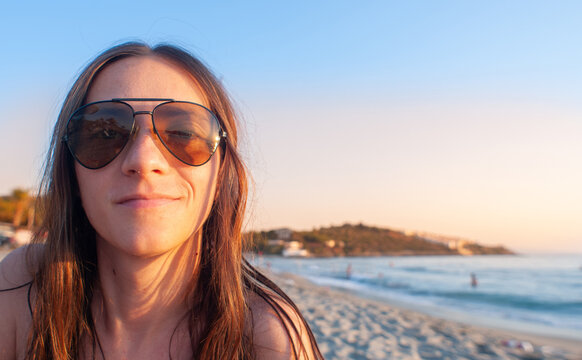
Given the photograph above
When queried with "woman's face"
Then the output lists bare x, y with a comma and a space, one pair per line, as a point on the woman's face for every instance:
146, 202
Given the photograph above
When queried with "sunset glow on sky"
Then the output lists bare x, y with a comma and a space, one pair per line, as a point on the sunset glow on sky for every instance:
451, 117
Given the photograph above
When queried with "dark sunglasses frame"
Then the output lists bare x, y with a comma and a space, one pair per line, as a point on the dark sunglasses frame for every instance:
162, 101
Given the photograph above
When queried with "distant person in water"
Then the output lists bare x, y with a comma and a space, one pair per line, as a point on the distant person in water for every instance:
349, 271
474, 281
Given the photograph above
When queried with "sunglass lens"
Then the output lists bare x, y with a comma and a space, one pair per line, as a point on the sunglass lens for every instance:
97, 133
189, 131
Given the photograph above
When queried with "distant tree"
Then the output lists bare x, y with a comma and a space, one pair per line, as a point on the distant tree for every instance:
7, 209
18, 208
22, 199
314, 237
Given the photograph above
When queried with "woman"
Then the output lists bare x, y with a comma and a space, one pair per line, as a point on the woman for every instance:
144, 194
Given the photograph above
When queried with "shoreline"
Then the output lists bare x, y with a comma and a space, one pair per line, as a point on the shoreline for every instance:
348, 325
501, 324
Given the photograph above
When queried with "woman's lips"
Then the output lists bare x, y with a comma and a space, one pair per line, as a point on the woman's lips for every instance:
145, 201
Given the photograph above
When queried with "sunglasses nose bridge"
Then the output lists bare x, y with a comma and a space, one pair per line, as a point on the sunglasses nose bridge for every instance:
150, 113
142, 113
136, 126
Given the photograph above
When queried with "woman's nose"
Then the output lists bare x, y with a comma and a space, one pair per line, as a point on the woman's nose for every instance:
145, 152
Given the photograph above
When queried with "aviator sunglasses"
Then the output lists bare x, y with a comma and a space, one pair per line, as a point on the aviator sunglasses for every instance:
97, 132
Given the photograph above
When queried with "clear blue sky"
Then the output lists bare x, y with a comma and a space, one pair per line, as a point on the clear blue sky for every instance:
454, 117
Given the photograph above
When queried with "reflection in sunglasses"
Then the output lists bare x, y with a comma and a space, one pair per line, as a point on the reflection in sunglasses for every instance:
98, 132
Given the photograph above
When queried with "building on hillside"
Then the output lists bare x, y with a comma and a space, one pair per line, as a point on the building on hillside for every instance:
462, 248
453, 243
330, 243
294, 249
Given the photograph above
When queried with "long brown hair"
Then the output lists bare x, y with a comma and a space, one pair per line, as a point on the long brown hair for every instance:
67, 271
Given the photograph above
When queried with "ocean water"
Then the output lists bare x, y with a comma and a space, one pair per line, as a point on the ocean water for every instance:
543, 291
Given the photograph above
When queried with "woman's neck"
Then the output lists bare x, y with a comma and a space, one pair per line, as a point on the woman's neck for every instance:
139, 301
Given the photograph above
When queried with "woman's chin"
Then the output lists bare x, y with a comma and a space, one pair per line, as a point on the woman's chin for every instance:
145, 245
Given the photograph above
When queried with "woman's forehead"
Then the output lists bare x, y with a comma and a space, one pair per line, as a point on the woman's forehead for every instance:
145, 77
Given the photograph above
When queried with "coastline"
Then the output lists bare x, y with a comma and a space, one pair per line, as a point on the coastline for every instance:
348, 326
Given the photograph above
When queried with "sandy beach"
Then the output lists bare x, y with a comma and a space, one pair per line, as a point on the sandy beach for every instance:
349, 327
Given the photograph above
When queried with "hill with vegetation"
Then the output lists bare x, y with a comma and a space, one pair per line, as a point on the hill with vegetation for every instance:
362, 240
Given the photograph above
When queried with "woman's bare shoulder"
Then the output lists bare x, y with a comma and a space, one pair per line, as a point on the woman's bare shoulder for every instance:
277, 332
19, 264
15, 277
